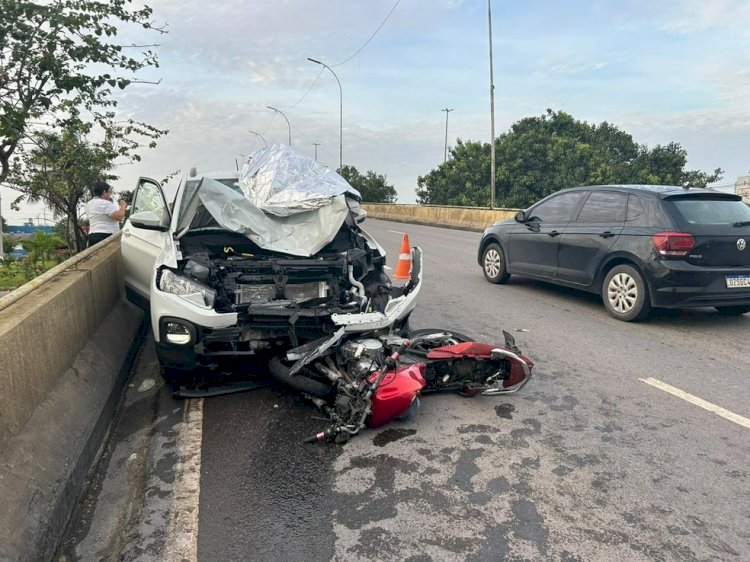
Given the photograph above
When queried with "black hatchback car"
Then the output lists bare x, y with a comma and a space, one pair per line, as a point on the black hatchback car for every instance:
639, 246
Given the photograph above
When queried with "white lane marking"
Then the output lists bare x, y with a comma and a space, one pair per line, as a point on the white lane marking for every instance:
718, 410
182, 532
387, 267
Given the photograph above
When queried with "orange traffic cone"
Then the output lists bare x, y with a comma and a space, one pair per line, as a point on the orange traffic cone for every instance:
403, 269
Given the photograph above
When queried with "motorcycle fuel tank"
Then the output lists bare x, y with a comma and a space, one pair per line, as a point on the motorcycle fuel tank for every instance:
395, 394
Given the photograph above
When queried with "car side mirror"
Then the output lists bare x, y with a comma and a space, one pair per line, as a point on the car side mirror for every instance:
520, 216
148, 220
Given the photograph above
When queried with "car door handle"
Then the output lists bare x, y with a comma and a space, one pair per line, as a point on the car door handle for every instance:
127, 233
553, 233
606, 234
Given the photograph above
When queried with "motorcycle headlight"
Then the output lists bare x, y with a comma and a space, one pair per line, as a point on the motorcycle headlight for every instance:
187, 289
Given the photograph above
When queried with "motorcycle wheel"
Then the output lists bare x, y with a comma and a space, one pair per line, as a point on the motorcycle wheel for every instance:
299, 381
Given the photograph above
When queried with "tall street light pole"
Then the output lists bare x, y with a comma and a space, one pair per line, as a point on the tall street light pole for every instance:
492, 113
261, 137
447, 111
341, 112
287, 122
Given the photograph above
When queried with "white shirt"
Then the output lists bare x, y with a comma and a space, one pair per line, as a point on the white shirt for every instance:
98, 211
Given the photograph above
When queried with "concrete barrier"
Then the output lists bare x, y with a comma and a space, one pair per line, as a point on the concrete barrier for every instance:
464, 218
65, 343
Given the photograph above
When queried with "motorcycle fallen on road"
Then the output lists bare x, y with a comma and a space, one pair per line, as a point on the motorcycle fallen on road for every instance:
370, 379
373, 369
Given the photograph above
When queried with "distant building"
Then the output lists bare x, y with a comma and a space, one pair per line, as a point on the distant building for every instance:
742, 187
27, 228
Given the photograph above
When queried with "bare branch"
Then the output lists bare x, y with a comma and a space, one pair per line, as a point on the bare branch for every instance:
137, 81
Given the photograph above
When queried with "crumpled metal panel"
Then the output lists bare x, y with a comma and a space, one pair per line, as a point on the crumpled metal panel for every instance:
300, 234
281, 181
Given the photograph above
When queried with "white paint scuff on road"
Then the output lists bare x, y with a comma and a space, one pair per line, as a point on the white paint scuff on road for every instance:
718, 410
182, 534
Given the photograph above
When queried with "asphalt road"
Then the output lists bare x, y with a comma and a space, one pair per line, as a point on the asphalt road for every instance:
587, 462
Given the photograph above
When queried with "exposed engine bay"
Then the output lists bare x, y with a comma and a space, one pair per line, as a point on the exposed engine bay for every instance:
288, 300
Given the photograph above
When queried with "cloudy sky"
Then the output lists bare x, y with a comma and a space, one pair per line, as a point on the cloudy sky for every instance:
673, 70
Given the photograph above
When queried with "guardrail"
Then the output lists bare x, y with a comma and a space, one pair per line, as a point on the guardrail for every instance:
464, 218
65, 342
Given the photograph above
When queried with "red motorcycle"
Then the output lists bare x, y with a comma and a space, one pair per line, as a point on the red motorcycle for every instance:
369, 379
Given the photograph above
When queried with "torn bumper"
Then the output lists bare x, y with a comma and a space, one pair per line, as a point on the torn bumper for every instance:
210, 338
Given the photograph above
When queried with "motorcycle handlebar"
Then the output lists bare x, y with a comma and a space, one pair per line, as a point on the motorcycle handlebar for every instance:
322, 436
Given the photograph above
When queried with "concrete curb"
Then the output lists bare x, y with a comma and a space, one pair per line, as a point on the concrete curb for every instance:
45, 465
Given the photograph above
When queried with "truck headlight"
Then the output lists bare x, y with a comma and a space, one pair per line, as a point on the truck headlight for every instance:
187, 289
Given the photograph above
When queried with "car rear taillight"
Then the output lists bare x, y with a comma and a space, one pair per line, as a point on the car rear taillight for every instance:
673, 244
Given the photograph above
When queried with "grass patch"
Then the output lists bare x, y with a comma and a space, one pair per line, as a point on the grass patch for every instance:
14, 273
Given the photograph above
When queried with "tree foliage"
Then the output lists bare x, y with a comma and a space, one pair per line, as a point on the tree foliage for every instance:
59, 169
540, 155
462, 180
59, 58
373, 187
42, 246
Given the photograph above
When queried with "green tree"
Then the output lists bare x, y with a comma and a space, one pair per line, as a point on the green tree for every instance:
42, 246
60, 229
373, 187
540, 155
60, 57
59, 169
8, 242
666, 165
462, 180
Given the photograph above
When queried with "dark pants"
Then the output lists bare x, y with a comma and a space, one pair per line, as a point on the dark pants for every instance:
97, 237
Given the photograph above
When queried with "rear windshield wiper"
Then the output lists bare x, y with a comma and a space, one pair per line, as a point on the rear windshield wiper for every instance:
741, 223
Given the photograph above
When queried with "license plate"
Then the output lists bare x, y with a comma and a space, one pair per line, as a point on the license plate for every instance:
738, 281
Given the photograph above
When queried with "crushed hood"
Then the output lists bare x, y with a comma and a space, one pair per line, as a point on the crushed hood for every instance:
286, 202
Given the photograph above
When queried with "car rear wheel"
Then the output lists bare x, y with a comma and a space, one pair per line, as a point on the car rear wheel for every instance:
493, 264
733, 310
625, 294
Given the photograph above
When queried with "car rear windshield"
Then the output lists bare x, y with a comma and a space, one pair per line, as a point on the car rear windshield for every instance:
700, 211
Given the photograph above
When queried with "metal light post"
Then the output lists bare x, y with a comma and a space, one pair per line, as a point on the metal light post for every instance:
447, 111
264, 140
287, 122
341, 112
492, 113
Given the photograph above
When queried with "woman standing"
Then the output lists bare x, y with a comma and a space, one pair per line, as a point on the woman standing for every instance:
103, 213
